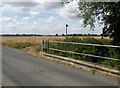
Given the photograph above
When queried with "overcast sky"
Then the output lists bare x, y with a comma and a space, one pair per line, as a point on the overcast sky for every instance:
42, 17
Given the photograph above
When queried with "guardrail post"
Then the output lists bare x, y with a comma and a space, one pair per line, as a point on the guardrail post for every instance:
73, 50
47, 46
43, 45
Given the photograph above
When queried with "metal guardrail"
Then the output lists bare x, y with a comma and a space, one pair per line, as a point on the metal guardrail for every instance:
86, 44
72, 52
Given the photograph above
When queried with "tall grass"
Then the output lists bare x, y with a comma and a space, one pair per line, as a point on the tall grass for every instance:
19, 45
23, 45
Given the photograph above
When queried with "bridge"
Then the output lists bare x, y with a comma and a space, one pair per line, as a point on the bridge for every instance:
21, 69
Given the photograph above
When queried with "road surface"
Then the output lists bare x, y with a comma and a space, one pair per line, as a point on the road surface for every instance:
21, 69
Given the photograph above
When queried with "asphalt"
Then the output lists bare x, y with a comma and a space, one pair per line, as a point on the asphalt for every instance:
21, 69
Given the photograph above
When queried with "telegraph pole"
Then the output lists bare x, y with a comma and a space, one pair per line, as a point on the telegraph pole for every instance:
66, 30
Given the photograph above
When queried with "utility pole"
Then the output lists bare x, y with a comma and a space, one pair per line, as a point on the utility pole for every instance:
66, 30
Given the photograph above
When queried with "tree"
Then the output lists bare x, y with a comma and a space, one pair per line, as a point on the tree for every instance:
106, 14
63, 35
56, 34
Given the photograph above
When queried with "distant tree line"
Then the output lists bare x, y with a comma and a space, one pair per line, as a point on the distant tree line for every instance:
21, 35
52, 35
82, 35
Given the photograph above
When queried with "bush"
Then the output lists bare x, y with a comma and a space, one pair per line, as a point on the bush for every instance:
86, 49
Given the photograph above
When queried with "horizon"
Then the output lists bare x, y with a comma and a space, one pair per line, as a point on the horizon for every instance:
46, 34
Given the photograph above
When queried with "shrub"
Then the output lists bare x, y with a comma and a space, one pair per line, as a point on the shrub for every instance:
86, 49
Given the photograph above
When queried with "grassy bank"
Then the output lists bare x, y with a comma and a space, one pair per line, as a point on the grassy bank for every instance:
31, 48
93, 50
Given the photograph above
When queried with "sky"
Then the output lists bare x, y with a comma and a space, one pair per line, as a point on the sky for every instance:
42, 17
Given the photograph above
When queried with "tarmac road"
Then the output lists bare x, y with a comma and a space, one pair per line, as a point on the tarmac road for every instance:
21, 69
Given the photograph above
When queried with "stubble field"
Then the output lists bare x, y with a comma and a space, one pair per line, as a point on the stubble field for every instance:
38, 39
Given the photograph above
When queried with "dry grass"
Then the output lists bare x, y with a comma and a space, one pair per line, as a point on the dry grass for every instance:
31, 39
38, 39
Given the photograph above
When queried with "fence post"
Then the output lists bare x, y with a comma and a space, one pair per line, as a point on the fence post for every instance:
73, 50
47, 45
43, 45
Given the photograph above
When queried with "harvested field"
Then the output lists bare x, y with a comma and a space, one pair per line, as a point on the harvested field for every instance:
31, 39
38, 39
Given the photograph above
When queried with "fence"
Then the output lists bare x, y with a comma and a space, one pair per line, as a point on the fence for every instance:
45, 44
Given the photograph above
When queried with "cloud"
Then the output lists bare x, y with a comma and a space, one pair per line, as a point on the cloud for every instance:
26, 18
81, 21
51, 23
0, 13
69, 11
45, 26
21, 26
23, 6
52, 19
34, 14
35, 23
15, 3
77, 28
50, 5
17, 23
8, 19
30, 0
26, 5
16, 17
0, 2
12, 9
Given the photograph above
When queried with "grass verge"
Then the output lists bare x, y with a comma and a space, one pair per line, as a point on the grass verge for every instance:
30, 48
